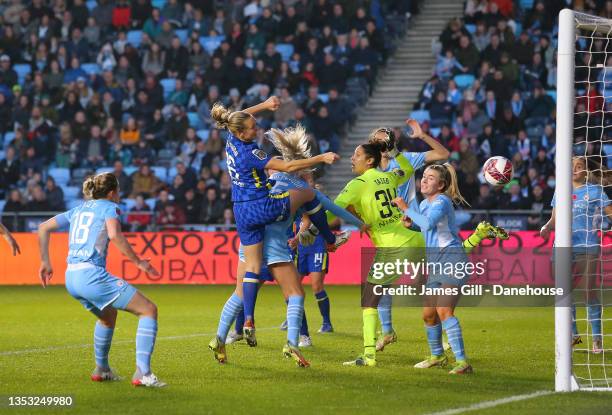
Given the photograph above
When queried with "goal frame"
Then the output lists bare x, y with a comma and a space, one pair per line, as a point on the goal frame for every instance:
569, 23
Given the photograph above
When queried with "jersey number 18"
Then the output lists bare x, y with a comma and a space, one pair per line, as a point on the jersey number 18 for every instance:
80, 232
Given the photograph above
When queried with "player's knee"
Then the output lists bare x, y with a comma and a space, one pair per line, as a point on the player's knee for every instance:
150, 310
317, 286
444, 313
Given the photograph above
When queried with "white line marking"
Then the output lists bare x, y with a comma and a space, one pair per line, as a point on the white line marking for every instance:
491, 404
80, 346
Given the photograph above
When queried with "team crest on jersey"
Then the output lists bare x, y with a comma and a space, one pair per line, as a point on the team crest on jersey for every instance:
120, 283
586, 197
399, 172
260, 154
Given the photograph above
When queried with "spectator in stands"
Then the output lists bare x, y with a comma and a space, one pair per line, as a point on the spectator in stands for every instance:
130, 134
125, 182
330, 74
153, 60
10, 168
39, 202
212, 208
171, 216
540, 106
191, 206
448, 139
440, 110
509, 125
513, 199
325, 131
467, 55
14, 204
485, 199
144, 109
54, 195
145, 182
139, 222
177, 124
70, 107
93, 149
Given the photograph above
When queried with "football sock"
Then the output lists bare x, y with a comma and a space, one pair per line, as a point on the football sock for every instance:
370, 320
455, 338
231, 310
145, 341
103, 336
250, 285
384, 313
434, 339
323, 303
295, 311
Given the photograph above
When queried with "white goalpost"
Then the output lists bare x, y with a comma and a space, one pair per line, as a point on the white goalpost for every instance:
584, 92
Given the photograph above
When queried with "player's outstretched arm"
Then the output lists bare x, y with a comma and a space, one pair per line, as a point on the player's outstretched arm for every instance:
113, 227
9, 238
270, 104
44, 235
548, 226
438, 152
295, 165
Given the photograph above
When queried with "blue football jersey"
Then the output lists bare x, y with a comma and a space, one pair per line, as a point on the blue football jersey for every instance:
88, 237
588, 204
443, 231
408, 190
245, 165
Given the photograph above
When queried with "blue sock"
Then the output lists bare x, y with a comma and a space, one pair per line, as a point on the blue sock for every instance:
574, 325
384, 313
239, 321
145, 341
295, 313
594, 316
323, 302
250, 285
304, 326
434, 339
317, 215
453, 331
103, 336
231, 309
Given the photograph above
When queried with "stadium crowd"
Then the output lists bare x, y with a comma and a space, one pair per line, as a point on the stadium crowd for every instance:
492, 92
90, 86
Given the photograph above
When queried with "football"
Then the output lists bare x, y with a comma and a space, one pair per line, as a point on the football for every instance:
498, 171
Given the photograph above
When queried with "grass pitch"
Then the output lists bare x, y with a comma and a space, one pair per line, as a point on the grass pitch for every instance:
46, 349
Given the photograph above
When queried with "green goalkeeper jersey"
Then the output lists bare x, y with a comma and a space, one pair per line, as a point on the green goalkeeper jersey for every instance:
370, 194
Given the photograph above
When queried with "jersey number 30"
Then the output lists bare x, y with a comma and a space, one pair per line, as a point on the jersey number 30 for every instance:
80, 232
384, 198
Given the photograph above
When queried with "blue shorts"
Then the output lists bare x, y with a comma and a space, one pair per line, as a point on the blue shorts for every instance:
312, 262
96, 289
252, 216
447, 266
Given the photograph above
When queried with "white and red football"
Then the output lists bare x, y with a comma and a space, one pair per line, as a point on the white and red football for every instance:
498, 171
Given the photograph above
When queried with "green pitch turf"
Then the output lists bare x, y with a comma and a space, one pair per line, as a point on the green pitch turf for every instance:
45, 349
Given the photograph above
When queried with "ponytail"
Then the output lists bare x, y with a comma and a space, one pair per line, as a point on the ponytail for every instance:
448, 176
99, 186
235, 122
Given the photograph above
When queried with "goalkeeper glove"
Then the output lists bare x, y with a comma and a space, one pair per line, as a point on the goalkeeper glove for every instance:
308, 236
390, 142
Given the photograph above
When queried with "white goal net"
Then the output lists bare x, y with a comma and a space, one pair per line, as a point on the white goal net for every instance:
584, 145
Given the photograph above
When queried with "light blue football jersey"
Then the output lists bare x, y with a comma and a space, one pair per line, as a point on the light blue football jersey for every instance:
88, 237
408, 190
442, 229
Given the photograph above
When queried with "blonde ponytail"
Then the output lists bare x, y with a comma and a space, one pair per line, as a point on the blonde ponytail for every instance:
235, 122
99, 186
88, 188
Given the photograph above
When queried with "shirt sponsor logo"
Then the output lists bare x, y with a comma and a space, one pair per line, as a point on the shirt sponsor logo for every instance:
260, 154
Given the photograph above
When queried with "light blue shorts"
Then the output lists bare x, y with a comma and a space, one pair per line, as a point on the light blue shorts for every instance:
96, 288
275, 248
447, 266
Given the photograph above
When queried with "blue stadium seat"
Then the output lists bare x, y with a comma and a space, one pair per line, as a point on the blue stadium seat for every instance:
151, 202
128, 204
71, 192
552, 93
71, 204
168, 85
518, 28
60, 174
470, 28
134, 37
464, 81
171, 173
420, 115
161, 172
526, 4
106, 169
324, 98
194, 120
91, 68
286, 50
211, 43
608, 151
434, 132
91, 4
8, 137
203, 134
129, 170
22, 70
2, 203
183, 35
158, 3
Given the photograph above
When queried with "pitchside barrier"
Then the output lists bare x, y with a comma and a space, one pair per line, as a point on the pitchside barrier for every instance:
211, 258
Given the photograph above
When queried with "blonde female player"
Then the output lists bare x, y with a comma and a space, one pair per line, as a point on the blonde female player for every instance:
292, 143
254, 205
436, 219
92, 225
589, 204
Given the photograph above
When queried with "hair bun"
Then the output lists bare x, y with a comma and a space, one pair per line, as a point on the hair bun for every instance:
221, 115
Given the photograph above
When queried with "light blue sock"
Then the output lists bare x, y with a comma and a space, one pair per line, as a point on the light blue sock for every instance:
103, 336
453, 331
145, 341
434, 339
295, 312
574, 325
594, 316
232, 307
384, 313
